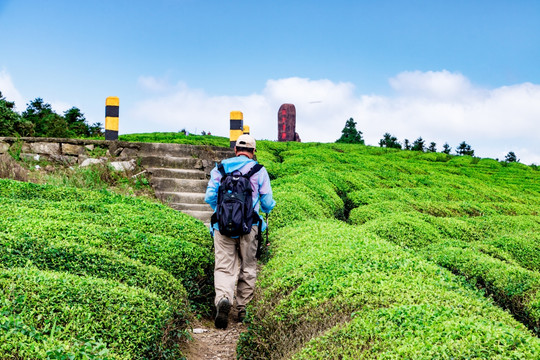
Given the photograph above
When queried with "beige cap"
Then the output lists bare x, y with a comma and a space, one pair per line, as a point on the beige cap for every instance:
246, 141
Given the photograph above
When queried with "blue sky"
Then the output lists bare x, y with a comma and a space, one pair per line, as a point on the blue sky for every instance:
448, 71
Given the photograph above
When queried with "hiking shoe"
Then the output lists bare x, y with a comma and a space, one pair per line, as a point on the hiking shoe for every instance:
222, 316
241, 315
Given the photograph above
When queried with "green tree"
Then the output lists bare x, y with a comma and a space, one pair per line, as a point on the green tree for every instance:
389, 141
464, 149
511, 157
76, 123
406, 144
432, 147
8, 117
57, 126
96, 130
37, 113
418, 144
446, 148
350, 135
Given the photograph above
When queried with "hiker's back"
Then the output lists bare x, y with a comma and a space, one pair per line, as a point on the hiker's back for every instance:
235, 213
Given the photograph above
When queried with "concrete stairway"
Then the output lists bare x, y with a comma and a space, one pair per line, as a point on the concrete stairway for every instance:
182, 189
179, 175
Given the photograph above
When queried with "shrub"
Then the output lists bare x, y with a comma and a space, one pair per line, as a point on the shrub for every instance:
324, 274
85, 260
423, 331
407, 230
513, 287
147, 232
132, 322
363, 214
20, 341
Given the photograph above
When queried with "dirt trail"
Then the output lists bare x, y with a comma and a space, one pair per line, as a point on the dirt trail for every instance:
211, 343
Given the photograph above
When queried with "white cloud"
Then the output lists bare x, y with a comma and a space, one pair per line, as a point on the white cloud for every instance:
439, 106
10, 92
433, 85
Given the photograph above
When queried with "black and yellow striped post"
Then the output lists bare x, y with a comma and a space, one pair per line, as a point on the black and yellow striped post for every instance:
237, 126
112, 106
246, 129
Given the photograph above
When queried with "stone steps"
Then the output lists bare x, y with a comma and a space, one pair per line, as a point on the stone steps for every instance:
172, 162
204, 216
171, 197
196, 207
179, 175
179, 185
183, 150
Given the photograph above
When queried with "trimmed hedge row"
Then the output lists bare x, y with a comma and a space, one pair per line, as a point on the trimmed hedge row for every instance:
20, 341
84, 260
514, 287
142, 231
107, 209
329, 276
423, 331
176, 138
303, 197
319, 285
61, 308
119, 268
479, 249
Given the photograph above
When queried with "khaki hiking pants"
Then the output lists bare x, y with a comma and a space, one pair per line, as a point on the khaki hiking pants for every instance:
236, 265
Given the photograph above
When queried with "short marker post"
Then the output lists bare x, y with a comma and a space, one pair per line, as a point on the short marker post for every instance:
112, 106
237, 127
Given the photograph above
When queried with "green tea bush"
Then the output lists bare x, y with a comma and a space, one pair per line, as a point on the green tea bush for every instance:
363, 214
326, 274
416, 200
20, 341
407, 230
370, 196
436, 157
303, 197
85, 260
133, 323
316, 186
185, 260
511, 285
423, 331
523, 247
147, 232
501, 225
455, 228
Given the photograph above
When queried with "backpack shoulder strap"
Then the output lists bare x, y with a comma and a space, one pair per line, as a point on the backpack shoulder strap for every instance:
221, 170
253, 170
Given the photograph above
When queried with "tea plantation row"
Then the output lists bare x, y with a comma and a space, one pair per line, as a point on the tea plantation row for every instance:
92, 275
376, 253
366, 245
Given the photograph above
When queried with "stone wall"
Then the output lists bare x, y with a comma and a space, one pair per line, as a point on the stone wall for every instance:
118, 153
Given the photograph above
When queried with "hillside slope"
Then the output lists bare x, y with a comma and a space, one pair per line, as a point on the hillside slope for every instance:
375, 253
366, 246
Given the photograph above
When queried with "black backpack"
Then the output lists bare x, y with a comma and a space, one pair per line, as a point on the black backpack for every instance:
234, 212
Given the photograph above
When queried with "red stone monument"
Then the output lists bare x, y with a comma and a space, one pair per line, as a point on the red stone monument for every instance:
287, 123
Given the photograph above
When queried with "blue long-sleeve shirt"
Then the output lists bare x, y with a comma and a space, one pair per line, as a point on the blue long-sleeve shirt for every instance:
260, 183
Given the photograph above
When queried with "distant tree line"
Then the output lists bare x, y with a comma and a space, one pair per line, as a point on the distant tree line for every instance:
40, 120
351, 135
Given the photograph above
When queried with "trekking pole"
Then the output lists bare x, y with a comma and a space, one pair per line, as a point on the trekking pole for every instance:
267, 229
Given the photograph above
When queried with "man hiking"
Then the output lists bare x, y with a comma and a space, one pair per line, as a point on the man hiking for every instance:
237, 188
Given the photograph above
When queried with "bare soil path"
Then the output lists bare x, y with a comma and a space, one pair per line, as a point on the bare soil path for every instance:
216, 344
